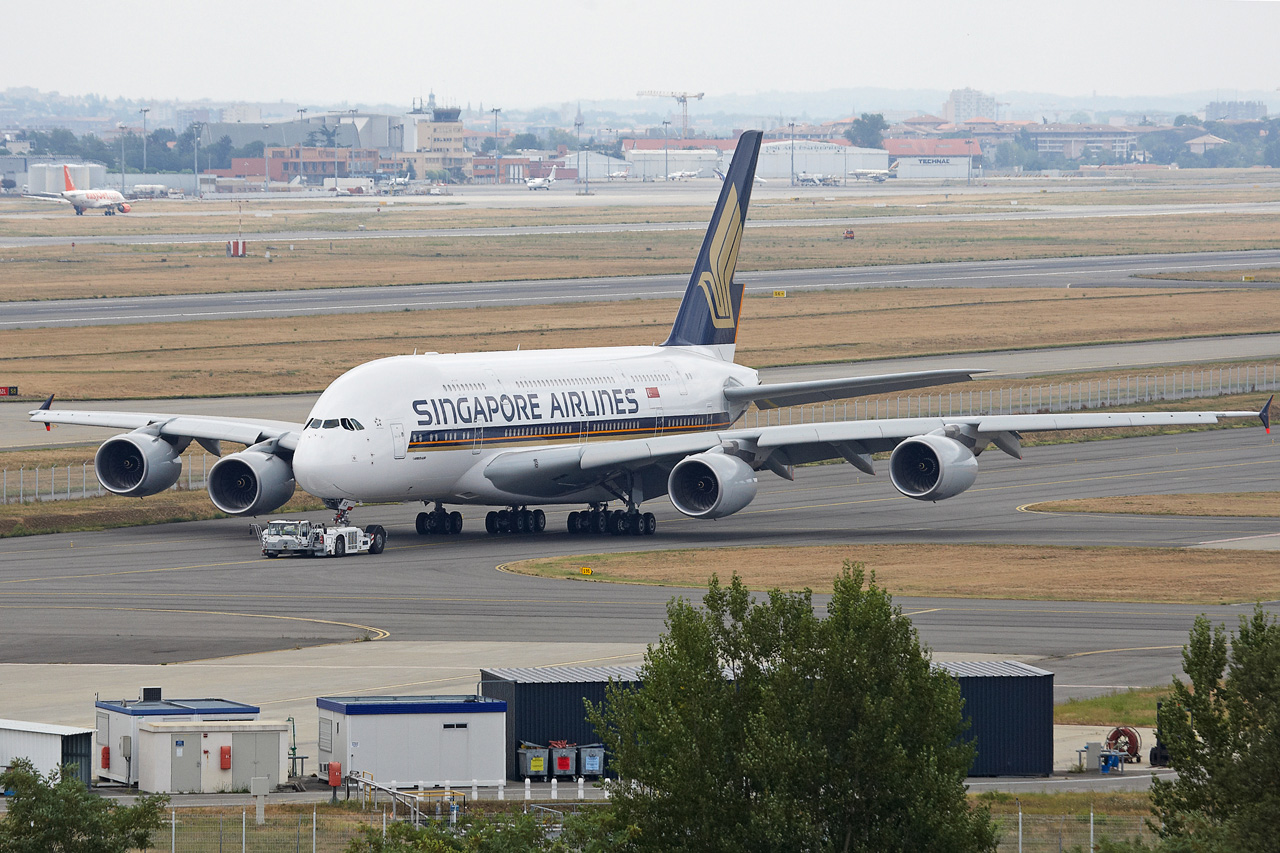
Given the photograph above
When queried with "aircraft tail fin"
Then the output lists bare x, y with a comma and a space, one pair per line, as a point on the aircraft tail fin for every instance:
66, 177
708, 315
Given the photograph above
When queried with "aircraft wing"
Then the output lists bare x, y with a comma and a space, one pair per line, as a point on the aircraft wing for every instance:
46, 197
784, 394
203, 428
558, 470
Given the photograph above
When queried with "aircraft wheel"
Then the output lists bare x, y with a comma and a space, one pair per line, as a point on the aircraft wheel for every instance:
421, 523
635, 524
539, 521
572, 523
520, 522
599, 520
650, 523
455, 522
491, 522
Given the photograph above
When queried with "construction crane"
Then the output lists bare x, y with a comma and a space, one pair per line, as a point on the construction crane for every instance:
682, 97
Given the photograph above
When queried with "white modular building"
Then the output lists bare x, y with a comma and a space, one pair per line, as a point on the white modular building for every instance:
48, 747
206, 757
116, 755
412, 740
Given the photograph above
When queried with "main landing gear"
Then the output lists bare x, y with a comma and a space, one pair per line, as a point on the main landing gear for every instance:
619, 522
439, 520
517, 519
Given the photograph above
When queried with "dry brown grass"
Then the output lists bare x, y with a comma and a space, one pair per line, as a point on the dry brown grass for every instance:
1234, 505
232, 357
110, 512
1236, 276
955, 571
107, 270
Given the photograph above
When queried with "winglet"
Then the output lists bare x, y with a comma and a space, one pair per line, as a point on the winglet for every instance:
1265, 414
44, 407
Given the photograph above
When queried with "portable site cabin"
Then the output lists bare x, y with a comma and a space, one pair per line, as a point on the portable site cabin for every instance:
203, 756
412, 739
117, 727
48, 747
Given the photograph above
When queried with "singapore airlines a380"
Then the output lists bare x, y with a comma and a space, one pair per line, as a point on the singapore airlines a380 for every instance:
604, 430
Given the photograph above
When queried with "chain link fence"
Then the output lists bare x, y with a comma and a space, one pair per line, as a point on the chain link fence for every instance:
1033, 833
73, 482
187, 831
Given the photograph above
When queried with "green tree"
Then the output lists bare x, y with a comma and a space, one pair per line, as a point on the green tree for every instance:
1223, 733
867, 131
524, 141
59, 814
761, 726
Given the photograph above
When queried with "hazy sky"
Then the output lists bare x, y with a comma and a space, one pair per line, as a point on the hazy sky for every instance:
525, 54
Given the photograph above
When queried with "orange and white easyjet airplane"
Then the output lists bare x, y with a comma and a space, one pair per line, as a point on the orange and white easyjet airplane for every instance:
108, 201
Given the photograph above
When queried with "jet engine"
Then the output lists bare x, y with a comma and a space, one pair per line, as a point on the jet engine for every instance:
250, 482
932, 467
124, 208
137, 464
711, 485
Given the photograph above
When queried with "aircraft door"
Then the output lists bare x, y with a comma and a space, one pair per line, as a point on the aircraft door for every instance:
398, 443
657, 420
678, 377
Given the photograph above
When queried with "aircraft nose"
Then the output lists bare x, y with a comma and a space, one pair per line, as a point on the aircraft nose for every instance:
309, 470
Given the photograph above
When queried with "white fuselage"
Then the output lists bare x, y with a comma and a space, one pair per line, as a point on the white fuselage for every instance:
94, 199
423, 427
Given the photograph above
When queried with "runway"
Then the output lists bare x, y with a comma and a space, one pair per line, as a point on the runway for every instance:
200, 590
1108, 271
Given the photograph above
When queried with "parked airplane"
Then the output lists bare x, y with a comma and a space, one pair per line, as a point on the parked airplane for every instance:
877, 175
542, 183
622, 173
719, 174
805, 179
685, 175
597, 427
108, 201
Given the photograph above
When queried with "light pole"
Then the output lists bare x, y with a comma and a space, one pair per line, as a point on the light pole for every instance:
351, 151
666, 165
336, 127
301, 112
792, 125
120, 127
266, 166
196, 127
577, 127
497, 157
144, 112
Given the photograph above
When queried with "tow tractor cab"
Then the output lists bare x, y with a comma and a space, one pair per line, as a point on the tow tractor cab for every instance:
300, 536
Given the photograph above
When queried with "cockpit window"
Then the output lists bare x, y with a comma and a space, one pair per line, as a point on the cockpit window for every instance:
314, 423
357, 424
331, 423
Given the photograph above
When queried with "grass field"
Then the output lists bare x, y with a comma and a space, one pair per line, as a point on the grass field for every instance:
952, 571
1237, 505
97, 270
234, 357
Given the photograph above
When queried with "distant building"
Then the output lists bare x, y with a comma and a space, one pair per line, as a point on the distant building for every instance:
1074, 141
966, 104
1235, 111
312, 165
934, 158
434, 141
241, 113
1201, 144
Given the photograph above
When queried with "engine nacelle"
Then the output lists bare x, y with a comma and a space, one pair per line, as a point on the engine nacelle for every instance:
250, 483
137, 464
125, 208
932, 467
711, 485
